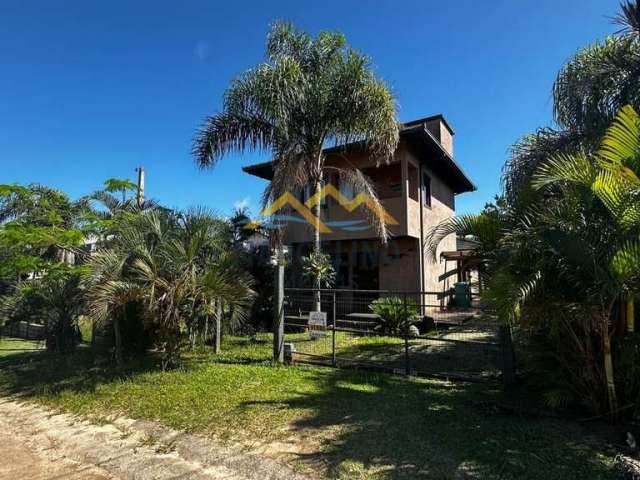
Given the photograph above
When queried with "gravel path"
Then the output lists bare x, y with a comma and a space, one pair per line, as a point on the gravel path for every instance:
40, 445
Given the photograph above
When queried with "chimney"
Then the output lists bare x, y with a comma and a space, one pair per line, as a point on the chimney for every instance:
442, 131
140, 189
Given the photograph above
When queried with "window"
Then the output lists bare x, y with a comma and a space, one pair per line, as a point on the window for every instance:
308, 191
414, 181
395, 185
426, 190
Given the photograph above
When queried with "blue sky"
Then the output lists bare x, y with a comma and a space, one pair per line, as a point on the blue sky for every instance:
90, 90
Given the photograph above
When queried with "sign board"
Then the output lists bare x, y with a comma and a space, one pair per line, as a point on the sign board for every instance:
317, 324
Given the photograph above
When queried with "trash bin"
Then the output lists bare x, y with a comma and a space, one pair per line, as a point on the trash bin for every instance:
461, 295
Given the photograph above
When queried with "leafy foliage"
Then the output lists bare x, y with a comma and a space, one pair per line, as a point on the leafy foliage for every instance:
55, 300
317, 266
179, 268
396, 314
577, 250
589, 91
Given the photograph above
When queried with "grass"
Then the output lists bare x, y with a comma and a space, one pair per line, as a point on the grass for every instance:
12, 346
425, 355
333, 423
86, 329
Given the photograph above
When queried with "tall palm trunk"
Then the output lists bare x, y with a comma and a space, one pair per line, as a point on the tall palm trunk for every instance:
218, 326
316, 242
631, 314
608, 361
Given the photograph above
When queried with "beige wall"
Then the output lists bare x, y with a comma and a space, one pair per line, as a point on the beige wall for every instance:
442, 207
399, 265
401, 273
442, 133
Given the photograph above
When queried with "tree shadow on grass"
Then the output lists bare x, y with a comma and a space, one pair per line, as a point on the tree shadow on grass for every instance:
365, 425
472, 360
40, 372
381, 426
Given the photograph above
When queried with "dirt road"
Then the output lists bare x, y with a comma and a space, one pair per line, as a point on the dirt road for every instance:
21, 461
37, 444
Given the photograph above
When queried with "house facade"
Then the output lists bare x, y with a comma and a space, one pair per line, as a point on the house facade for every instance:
417, 188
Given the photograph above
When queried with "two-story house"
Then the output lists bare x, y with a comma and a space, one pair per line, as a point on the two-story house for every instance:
418, 188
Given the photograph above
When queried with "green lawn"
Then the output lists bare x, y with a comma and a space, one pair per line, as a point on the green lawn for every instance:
336, 423
12, 346
425, 355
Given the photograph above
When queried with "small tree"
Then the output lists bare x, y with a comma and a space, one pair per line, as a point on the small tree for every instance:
318, 268
176, 266
57, 300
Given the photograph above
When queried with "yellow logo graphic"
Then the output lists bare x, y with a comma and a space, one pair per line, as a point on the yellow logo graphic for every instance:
288, 199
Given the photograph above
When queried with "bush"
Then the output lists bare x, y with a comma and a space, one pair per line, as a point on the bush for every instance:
55, 301
628, 368
396, 314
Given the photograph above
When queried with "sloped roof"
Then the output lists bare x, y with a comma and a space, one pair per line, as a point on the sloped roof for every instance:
418, 134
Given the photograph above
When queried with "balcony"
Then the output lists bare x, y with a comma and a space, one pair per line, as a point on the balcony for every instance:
394, 190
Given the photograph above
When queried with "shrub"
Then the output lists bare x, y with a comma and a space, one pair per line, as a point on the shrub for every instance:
55, 301
628, 367
396, 314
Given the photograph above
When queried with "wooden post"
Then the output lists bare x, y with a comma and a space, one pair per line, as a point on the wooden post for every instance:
407, 363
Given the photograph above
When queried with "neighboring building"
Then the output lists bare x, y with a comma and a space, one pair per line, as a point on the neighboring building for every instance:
417, 188
465, 263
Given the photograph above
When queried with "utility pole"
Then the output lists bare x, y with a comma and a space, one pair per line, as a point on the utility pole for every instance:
140, 187
278, 320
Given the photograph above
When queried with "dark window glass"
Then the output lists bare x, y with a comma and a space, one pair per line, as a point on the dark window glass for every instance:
426, 190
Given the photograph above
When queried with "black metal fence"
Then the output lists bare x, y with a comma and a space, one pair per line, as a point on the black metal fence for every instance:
26, 330
413, 333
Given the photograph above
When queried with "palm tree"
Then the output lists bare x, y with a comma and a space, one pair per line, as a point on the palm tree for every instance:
56, 299
112, 207
224, 289
580, 248
121, 185
587, 94
612, 177
308, 93
176, 267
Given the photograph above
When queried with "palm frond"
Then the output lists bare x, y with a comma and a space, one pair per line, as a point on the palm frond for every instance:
594, 85
629, 17
505, 293
486, 228
626, 261
530, 152
578, 169
362, 185
620, 147
229, 132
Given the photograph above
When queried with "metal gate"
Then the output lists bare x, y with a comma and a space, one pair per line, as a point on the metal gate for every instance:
413, 333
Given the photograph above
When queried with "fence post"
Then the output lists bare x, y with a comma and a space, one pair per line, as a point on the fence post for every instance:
407, 363
333, 336
507, 356
278, 321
